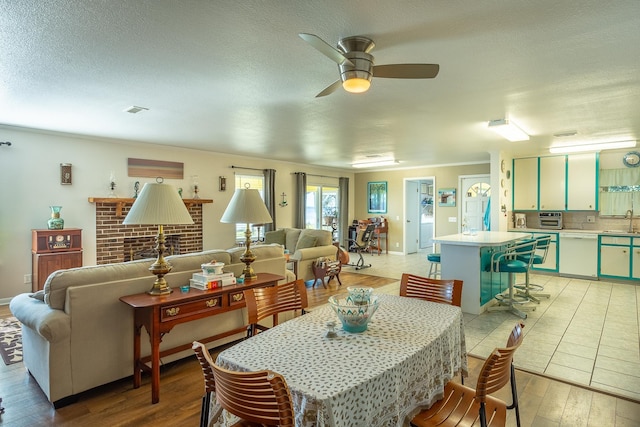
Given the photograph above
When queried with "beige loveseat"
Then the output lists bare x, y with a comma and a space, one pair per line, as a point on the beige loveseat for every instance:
80, 335
305, 246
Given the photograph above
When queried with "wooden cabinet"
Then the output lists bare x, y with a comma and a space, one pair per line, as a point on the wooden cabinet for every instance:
635, 259
556, 183
615, 257
525, 184
553, 183
54, 250
582, 186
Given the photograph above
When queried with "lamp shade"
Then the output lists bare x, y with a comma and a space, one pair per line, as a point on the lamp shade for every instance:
246, 206
158, 204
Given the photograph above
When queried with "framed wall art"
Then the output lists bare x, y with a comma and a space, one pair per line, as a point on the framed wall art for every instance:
447, 197
377, 197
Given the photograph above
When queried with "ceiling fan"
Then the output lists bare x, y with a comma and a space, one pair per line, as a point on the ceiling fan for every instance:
357, 66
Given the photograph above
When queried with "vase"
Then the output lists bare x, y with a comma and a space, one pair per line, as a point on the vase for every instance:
55, 222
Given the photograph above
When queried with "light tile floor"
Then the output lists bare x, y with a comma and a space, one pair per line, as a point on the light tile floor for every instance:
586, 333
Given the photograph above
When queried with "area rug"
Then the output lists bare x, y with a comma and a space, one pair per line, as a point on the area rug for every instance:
10, 340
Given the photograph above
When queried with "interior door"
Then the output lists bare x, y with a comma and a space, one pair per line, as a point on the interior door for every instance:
475, 200
412, 212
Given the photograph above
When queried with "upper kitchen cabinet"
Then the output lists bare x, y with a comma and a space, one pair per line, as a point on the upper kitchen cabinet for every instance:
553, 183
525, 184
582, 189
556, 183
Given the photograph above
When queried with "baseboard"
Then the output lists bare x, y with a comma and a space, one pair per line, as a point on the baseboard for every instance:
5, 301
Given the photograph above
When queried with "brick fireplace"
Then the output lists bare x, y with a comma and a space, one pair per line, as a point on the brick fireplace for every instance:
116, 242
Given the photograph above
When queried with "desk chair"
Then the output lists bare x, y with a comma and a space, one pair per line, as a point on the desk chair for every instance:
270, 301
441, 291
542, 244
257, 398
507, 262
362, 244
462, 405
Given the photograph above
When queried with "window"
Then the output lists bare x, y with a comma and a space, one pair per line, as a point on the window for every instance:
256, 182
322, 207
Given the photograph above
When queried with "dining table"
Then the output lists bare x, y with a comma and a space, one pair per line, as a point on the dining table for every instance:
380, 377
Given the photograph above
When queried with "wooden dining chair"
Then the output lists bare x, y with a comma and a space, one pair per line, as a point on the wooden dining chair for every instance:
209, 383
462, 405
258, 398
442, 291
271, 301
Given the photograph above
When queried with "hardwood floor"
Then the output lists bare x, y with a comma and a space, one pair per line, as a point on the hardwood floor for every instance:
543, 402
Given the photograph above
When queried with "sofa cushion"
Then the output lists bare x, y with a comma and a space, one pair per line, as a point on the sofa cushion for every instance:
323, 237
193, 261
260, 252
291, 238
306, 241
277, 236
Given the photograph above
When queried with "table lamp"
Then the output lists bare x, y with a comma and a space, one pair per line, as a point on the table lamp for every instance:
158, 204
246, 206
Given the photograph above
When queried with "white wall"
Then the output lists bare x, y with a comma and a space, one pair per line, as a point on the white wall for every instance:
30, 183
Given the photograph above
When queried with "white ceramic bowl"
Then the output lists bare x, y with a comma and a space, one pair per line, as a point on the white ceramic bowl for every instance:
354, 317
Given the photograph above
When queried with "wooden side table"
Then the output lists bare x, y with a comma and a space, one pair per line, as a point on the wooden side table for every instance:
326, 269
159, 314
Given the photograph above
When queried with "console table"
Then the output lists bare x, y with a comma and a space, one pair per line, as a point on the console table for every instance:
159, 314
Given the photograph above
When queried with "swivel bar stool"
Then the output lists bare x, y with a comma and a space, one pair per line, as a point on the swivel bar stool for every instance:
434, 266
531, 290
507, 262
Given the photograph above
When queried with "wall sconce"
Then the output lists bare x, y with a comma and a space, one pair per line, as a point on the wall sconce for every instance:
65, 173
223, 183
283, 203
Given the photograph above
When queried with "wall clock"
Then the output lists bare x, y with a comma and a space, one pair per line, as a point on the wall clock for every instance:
631, 159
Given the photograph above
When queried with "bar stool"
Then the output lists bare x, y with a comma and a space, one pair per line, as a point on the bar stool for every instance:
434, 267
542, 244
507, 262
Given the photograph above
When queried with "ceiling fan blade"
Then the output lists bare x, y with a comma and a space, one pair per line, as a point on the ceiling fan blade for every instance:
406, 71
330, 89
325, 48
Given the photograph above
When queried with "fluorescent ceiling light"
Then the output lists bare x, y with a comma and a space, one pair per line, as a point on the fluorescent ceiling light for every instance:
592, 147
508, 130
375, 163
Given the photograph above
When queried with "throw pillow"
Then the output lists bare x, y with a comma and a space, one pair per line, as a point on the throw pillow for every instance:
306, 242
38, 295
276, 236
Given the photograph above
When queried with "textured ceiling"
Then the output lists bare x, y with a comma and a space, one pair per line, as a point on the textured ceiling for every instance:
234, 77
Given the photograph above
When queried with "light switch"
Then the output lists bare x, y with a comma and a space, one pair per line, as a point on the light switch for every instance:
453, 219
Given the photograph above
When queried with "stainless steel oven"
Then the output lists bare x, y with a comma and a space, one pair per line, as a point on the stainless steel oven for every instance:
550, 220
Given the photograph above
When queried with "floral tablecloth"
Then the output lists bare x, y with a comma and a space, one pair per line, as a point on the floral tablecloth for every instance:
376, 378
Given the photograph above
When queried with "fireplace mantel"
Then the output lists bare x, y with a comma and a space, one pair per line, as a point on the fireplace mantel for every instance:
121, 202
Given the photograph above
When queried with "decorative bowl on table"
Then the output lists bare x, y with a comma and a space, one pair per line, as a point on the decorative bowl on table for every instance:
359, 295
212, 267
354, 317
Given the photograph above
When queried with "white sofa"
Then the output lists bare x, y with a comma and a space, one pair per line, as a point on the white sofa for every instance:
77, 334
305, 245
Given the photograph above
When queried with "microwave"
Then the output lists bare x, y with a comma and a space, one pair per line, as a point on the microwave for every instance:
550, 220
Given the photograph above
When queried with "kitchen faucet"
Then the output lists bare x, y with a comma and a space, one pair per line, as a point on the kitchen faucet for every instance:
630, 213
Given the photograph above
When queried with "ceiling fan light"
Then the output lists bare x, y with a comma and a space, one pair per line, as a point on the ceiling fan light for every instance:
508, 130
356, 85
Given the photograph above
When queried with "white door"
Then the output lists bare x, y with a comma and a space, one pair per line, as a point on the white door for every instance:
412, 212
475, 199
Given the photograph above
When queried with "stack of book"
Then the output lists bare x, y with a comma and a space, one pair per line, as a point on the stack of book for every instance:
205, 281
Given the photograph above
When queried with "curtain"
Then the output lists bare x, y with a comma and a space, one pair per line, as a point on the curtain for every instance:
343, 209
301, 200
270, 197
619, 193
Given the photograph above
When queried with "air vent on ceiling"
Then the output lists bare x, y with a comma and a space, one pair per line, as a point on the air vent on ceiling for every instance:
135, 109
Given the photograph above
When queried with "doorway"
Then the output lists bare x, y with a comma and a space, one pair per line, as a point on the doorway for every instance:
419, 229
476, 194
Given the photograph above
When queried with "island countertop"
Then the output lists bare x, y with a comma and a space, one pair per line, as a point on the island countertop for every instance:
482, 238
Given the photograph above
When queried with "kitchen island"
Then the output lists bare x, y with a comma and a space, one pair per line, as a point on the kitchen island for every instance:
467, 257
